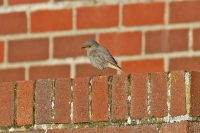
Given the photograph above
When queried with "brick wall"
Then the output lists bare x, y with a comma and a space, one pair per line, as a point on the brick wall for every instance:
157, 102
42, 38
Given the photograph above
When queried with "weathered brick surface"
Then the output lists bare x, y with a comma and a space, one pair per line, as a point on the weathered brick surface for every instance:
16, 2
24, 102
13, 23
12, 74
42, 72
81, 100
76, 130
158, 94
194, 127
195, 94
178, 95
56, 20
152, 128
148, 65
6, 103
139, 95
166, 41
1, 51
100, 98
179, 127
97, 17
43, 99
87, 70
62, 101
196, 39
143, 14
119, 97
190, 9
32, 49
125, 43
184, 63
70, 46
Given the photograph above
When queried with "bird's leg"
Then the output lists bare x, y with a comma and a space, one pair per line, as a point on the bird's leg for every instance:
101, 72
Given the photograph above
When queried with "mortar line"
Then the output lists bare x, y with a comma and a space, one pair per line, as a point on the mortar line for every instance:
51, 45
74, 19
34, 103
190, 40
110, 98
167, 13
120, 16
71, 101
129, 78
53, 100
15, 105
187, 91
90, 100
169, 81
149, 95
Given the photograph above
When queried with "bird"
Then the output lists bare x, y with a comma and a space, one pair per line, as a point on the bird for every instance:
99, 56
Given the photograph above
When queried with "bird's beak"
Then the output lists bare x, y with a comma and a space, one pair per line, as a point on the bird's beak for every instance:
83, 47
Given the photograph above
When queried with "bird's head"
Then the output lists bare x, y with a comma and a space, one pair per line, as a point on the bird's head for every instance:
90, 45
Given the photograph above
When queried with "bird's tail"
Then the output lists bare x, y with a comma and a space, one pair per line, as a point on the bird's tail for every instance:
114, 66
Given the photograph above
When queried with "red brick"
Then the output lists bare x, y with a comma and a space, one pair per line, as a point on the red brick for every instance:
158, 94
166, 41
117, 129
194, 127
195, 93
75, 130
6, 103
1, 2
16, 2
62, 101
32, 49
51, 20
185, 63
131, 129
43, 99
68, 130
25, 102
81, 100
151, 128
179, 127
196, 39
87, 70
148, 65
119, 97
1, 51
178, 97
184, 11
143, 14
100, 98
127, 43
12, 74
42, 72
13, 23
73, 46
87, 130
139, 95
97, 17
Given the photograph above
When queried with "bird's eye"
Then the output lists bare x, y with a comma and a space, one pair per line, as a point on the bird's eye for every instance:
89, 46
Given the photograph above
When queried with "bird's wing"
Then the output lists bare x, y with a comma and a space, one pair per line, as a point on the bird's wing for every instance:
105, 56
102, 50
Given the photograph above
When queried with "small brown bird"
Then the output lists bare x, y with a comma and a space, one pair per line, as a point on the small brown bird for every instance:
99, 56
